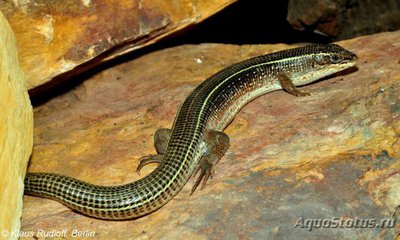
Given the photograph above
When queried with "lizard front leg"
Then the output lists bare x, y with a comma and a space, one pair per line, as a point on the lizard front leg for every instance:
288, 86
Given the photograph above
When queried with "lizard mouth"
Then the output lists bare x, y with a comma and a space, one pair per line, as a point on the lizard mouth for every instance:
353, 57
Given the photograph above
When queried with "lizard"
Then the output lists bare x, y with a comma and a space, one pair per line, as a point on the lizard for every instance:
196, 141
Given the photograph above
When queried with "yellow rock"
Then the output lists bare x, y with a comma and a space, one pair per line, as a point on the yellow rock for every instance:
57, 37
16, 133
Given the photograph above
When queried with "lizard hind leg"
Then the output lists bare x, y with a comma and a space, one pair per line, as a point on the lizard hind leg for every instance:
161, 139
217, 144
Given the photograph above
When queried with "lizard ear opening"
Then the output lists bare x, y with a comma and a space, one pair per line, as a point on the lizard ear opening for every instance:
321, 60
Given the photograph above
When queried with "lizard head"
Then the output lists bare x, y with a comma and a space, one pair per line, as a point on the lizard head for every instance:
333, 55
321, 60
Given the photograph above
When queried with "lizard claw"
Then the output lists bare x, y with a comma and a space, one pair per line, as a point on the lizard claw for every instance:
207, 172
143, 161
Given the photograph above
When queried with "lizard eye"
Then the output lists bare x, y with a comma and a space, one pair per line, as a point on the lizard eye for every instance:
336, 59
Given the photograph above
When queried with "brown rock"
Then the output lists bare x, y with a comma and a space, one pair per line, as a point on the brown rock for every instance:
333, 154
55, 37
342, 19
16, 132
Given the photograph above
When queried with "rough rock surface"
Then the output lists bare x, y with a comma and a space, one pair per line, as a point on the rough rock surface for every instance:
333, 154
342, 19
57, 36
16, 132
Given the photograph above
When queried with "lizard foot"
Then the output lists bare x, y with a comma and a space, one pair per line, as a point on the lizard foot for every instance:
206, 168
143, 161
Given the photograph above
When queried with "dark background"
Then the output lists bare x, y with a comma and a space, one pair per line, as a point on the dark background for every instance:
246, 22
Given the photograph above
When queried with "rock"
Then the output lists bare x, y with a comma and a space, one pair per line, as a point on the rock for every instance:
16, 132
55, 37
291, 159
343, 19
